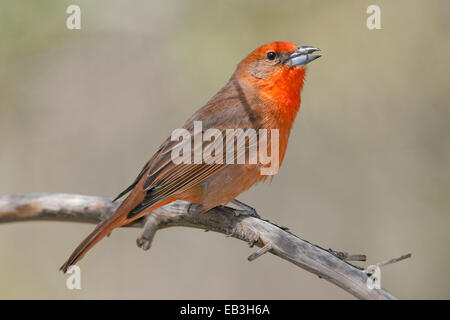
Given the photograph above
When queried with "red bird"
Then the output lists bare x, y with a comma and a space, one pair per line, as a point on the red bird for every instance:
263, 93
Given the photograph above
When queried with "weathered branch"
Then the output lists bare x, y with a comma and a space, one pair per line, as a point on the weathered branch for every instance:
327, 264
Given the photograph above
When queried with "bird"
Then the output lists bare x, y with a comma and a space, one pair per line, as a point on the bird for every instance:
263, 93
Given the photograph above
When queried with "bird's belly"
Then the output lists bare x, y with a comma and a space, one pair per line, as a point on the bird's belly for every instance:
224, 186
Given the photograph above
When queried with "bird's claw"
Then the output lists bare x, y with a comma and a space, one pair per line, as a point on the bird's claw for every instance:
246, 212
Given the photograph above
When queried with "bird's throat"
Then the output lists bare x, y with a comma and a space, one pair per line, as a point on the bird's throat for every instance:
284, 93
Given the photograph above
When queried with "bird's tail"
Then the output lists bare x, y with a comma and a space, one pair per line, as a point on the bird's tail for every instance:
119, 218
102, 230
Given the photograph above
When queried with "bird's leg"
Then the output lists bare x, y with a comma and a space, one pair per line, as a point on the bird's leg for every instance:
245, 209
194, 208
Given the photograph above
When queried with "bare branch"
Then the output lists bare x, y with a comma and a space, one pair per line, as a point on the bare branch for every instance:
270, 237
394, 260
260, 252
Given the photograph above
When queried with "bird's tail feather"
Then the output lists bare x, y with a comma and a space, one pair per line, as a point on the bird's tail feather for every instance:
102, 230
118, 219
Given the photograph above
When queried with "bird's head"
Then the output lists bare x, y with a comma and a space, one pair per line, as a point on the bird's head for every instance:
276, 64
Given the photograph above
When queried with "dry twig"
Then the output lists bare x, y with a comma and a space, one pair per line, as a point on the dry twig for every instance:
327, 264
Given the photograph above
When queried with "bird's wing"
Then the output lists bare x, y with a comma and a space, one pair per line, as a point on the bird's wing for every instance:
164, 179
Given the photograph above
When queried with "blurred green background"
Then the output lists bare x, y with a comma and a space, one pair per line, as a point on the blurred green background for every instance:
367, 169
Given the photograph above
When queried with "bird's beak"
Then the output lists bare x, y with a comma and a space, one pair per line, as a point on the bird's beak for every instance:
302, 56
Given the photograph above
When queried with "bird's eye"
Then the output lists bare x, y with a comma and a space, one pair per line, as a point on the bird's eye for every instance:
271, 55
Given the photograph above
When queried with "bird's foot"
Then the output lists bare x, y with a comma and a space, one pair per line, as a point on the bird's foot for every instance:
194, 208
245, 212
245, 209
